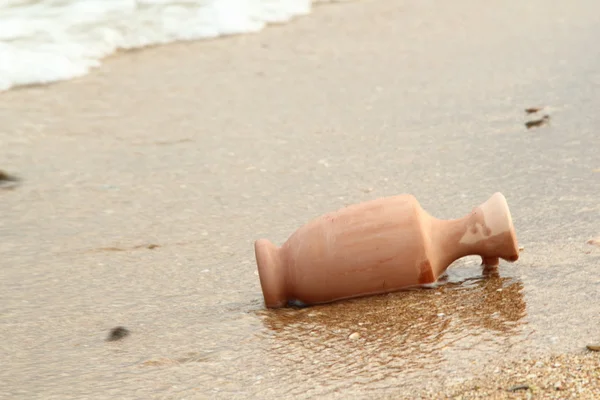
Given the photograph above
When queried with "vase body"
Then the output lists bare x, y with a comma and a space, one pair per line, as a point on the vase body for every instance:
378, 246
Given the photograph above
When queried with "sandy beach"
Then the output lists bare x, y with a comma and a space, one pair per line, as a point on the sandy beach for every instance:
145, 183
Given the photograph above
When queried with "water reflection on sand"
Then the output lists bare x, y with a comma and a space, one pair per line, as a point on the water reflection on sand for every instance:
400, 333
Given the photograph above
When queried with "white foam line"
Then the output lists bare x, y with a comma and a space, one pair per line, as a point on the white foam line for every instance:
52, 40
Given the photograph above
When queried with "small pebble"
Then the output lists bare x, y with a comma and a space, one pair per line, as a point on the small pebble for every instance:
117, 333
593, 347
7, 177
595, 241
532, 110
518, 387
7, 180
558, 385
354, 336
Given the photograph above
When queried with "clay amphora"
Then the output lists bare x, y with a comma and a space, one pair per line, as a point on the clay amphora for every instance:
379, 246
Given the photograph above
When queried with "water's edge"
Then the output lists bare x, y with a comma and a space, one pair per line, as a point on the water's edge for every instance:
47, 42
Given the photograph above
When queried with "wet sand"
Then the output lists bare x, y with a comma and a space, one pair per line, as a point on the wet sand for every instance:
144, 185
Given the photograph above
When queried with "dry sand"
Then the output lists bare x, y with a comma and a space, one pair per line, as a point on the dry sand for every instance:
144, 185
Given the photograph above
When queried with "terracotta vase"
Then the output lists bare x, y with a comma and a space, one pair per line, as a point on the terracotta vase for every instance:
379, 246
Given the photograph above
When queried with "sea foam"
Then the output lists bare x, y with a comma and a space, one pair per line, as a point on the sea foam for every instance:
46, 41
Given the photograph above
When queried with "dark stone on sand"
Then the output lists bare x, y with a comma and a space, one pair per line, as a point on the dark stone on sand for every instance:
4, 176
533, 110
538, 122
117, 333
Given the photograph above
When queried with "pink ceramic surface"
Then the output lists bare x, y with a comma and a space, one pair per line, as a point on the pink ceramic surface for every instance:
379, 246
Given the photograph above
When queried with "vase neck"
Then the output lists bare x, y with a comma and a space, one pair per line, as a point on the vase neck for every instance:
447, 237
485, 232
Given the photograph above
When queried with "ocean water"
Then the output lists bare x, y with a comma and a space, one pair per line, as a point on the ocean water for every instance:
45, 41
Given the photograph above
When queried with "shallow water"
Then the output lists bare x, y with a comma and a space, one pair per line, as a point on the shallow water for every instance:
167, 147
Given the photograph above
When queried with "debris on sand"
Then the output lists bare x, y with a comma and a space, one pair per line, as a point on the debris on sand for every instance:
150, 246
117, 333
518, 387
7, 179
594, 241
533, 110
538, 122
